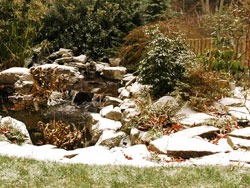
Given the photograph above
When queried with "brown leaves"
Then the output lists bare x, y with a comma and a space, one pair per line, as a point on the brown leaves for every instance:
174, 128
62, 135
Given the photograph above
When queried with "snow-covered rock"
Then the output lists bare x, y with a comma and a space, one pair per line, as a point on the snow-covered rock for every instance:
115, 73
110, 138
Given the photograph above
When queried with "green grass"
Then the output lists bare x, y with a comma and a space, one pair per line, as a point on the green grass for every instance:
19, 172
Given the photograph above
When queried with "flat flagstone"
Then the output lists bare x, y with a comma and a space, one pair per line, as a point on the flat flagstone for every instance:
238, 143
192, 117
160, 145
227, 101
191, 147
241, 133
202, 131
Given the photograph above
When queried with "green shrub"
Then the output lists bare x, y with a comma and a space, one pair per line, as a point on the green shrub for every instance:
19, 24
155, 10
163, 64
96, 27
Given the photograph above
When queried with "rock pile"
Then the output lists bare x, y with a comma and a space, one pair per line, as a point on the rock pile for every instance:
71, 77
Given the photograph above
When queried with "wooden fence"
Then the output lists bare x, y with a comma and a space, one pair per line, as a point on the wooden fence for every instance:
241, 47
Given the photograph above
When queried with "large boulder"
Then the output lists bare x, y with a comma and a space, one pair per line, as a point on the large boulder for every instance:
60, 76
115, 73
12, 75
18, 78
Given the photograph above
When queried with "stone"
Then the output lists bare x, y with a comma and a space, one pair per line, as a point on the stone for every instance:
99, 124
100, 66
81, 58
227, 101
63, 60
127, 78
115, 62
240, 156
124, 94
8, 121
115, 73
137, 89
160, 145
125, 142
238, 143
61, 53
12, 75
72, 77
23, 86
112, 101
130, 112
192, 117
111, 113
241, 133
131, 81
55, 98
202, 131
127, 103
120, 89
137, 152
190, 147
161, 102
145, 137
134, 135
110, 138
128, 88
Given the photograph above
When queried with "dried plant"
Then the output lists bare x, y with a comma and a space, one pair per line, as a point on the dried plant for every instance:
153, 117
202, 88
62, 135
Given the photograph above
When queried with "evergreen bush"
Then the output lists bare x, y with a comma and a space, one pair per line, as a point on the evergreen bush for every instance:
96, 28
163, 64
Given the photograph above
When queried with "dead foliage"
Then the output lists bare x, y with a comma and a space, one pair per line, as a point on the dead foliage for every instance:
62, 135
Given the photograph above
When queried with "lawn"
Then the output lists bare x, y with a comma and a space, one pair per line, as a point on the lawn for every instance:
19, 172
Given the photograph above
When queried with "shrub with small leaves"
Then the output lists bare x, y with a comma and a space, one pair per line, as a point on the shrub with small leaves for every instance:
164, 63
